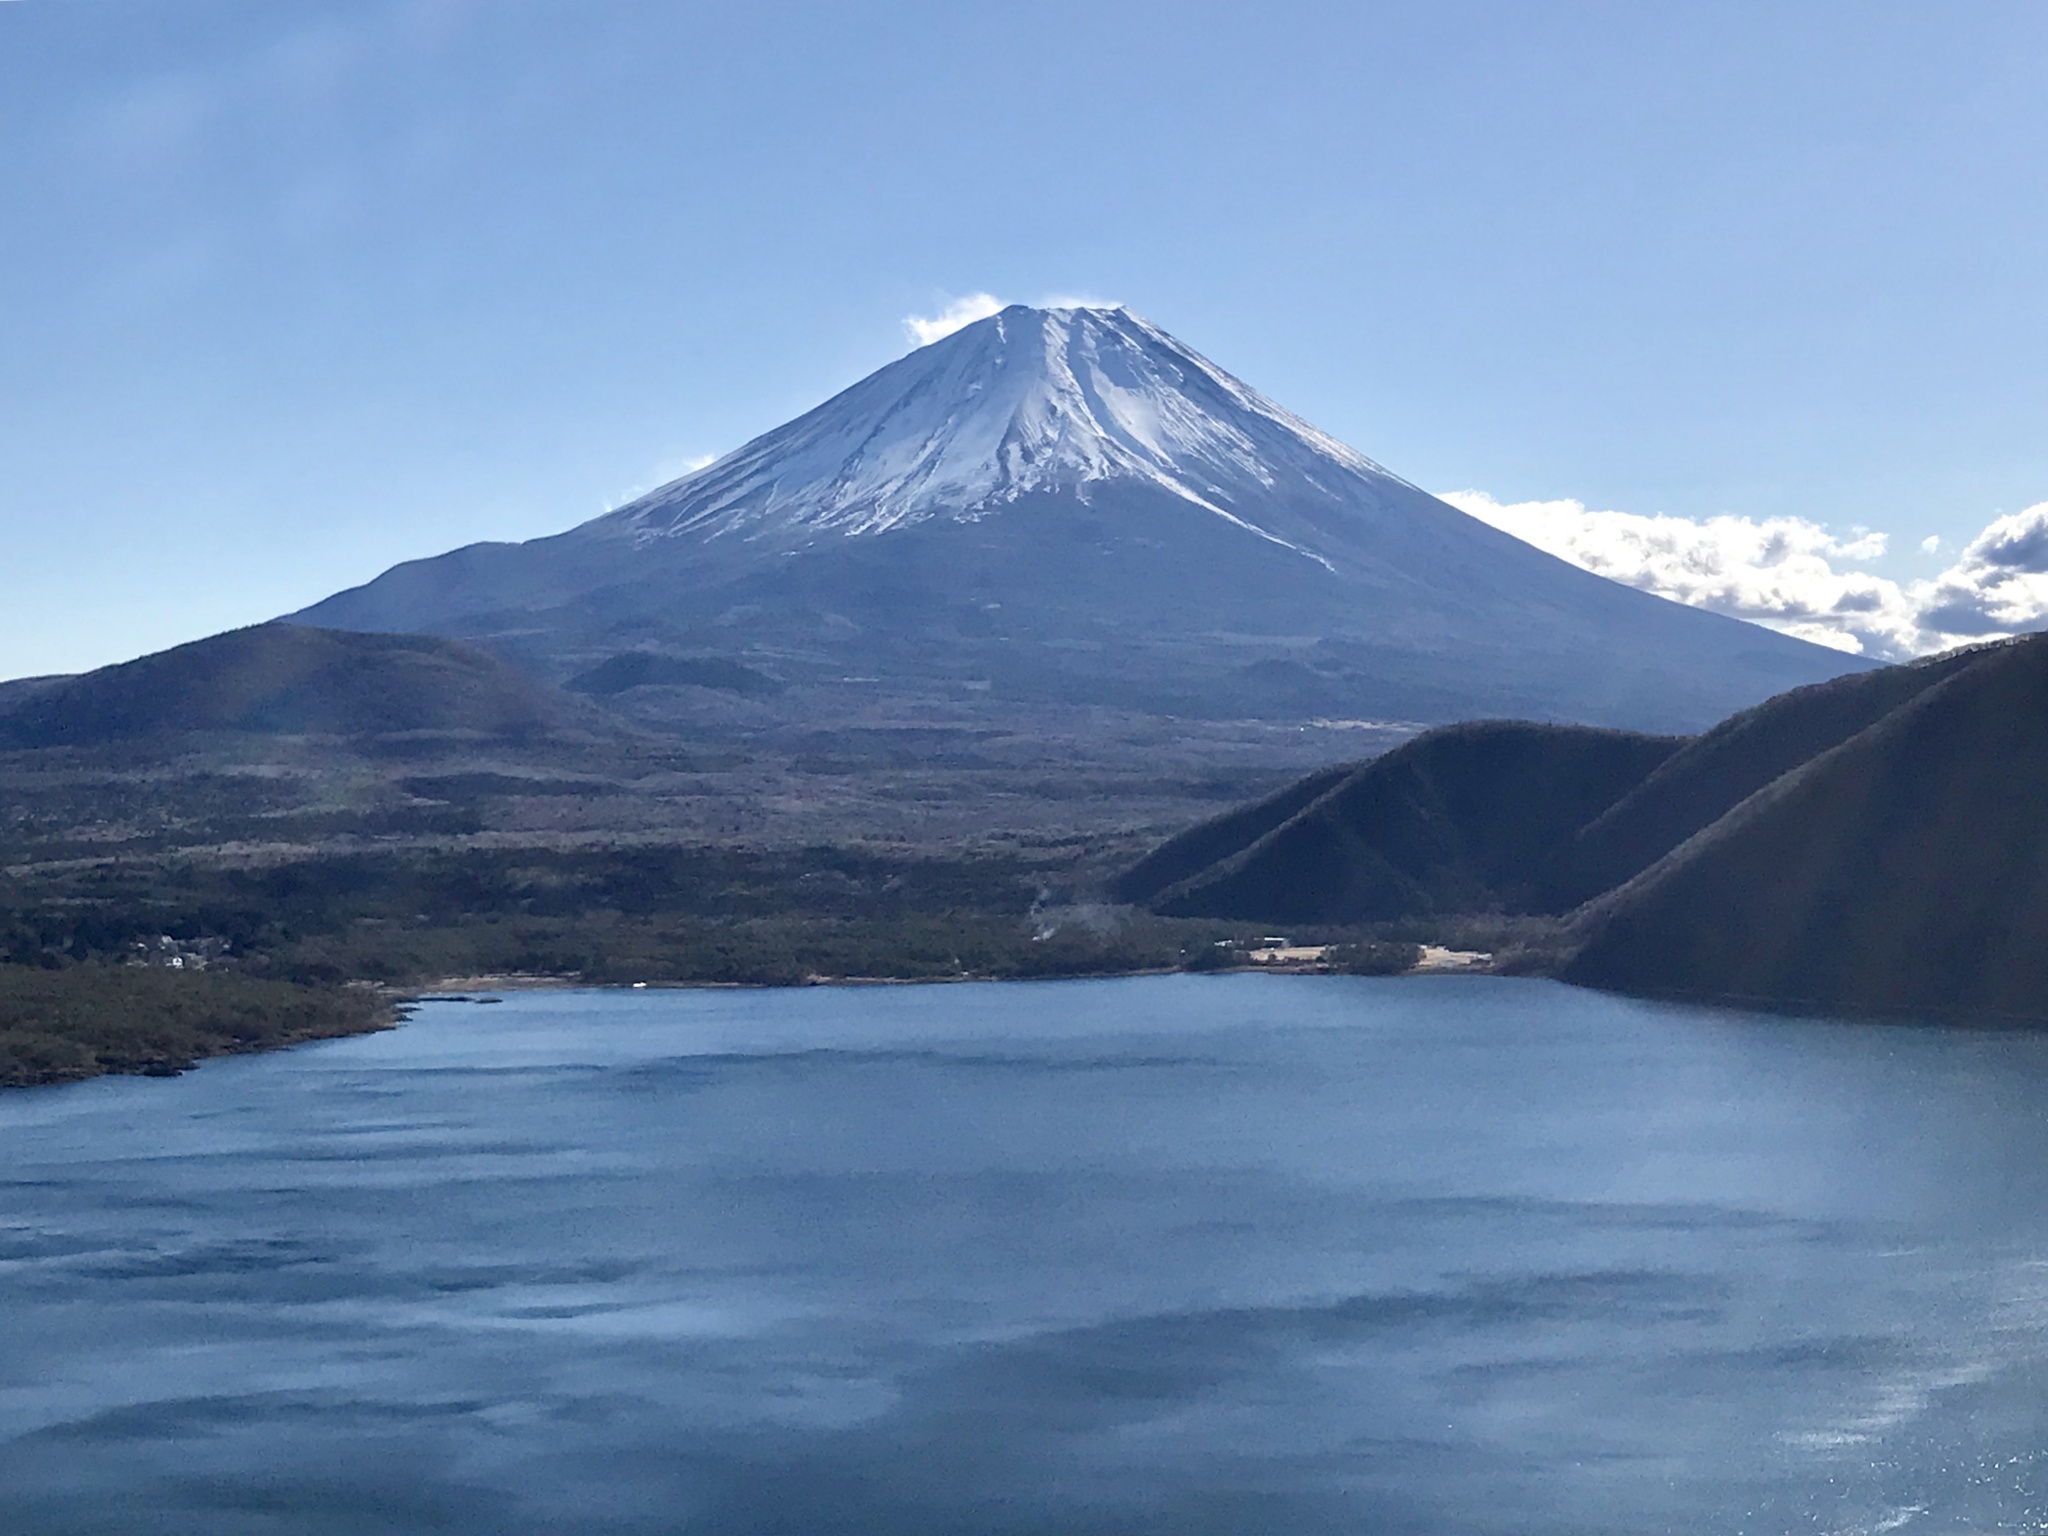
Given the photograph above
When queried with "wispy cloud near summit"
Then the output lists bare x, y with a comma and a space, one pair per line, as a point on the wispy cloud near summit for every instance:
926, 329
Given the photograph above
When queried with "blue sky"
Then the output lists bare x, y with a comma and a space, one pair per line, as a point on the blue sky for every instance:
291, 290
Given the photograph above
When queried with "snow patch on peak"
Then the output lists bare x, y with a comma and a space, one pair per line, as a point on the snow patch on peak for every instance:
1019, 402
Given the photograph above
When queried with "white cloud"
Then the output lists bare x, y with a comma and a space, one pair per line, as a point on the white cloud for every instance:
1797, 576
926, 329
1998, 586
1932, 544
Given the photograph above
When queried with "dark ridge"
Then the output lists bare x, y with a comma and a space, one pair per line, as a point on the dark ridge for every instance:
1467, 818
19, 690
1717, 771
1212, 841
642, 669
287, 679
1902, 870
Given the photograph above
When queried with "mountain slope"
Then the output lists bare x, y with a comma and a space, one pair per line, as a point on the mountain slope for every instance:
1904, 869
1070, 506
1710, 776
1223, 837
286, 679
1304, 848
1468, 818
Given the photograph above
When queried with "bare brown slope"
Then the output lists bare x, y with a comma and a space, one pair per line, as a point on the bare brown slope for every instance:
1714, 773
287, 679
1904, 870
1462, 819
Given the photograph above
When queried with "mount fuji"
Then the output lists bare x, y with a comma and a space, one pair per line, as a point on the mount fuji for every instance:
1069, 506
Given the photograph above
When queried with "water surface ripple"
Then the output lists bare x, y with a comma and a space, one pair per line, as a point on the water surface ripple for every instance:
1166, 1255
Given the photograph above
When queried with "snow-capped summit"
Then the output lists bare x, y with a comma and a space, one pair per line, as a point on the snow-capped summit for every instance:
1025, 401
1070, 505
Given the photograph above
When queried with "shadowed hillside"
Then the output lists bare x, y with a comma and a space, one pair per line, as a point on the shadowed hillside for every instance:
1876, 843
1213, 867
1905, 869
286, 679
1223, 837
1468, 818
1711, 775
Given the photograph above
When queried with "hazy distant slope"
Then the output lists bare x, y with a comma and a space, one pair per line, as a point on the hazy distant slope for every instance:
1905, 869
1071, 506
1462, 819
286, 679
642, 669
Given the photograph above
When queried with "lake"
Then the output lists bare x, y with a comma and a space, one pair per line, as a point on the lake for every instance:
1158, 1255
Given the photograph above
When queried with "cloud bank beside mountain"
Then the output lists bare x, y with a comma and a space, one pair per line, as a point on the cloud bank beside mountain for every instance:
1798, 576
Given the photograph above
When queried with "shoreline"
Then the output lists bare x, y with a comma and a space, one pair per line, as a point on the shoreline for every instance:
1434, 962
63, 1058
521, 982
72, 1026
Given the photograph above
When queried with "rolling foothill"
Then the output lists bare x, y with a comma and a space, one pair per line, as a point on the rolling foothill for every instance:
1874, 843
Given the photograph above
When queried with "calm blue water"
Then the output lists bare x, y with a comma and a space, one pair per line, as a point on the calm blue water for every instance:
1167, 1255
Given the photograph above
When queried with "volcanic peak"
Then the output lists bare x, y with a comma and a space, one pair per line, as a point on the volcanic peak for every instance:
1025, 401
